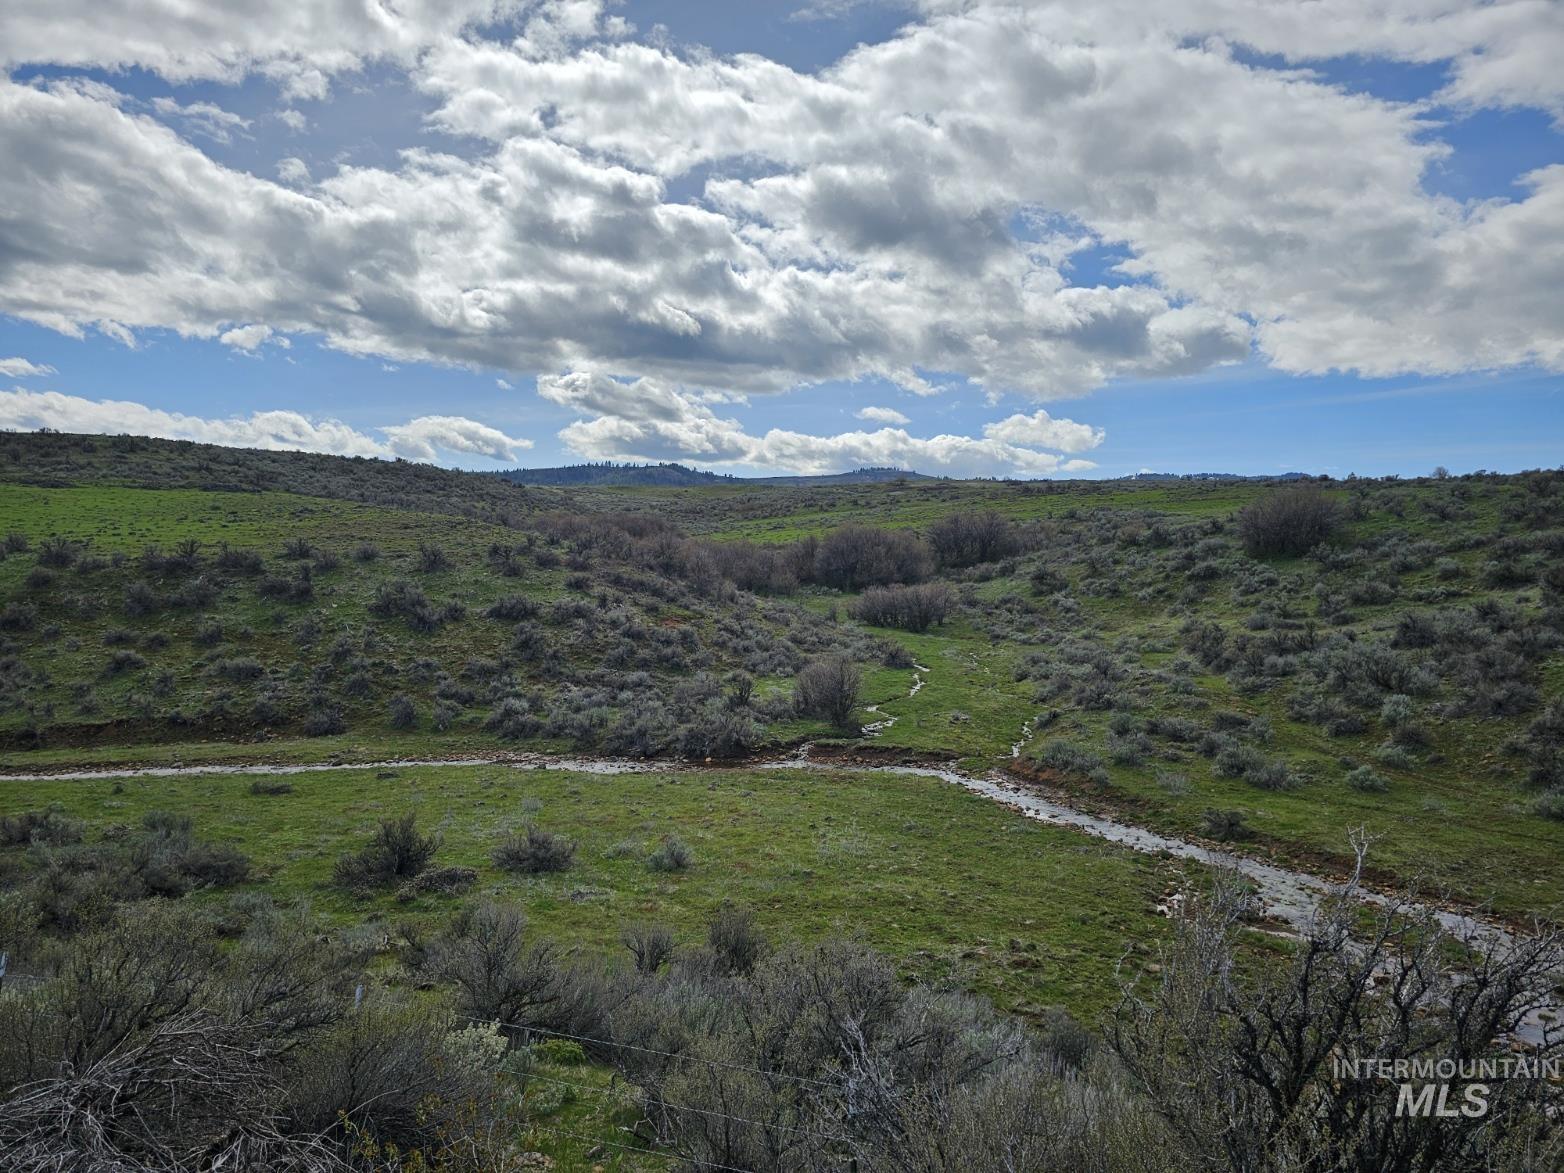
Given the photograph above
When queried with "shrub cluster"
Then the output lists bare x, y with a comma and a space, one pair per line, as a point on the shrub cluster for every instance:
1288, 522
852, 557
968, 539
910, 608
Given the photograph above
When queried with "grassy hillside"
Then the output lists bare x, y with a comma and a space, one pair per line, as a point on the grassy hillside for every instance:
1390, 659
55, 459
1396, 678
137, 616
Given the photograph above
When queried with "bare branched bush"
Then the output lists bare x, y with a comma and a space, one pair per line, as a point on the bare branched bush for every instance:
910, 608
1287, 522
855, 556
432, 558
501, 974
829, 689
1239, 1061
735, 940
401, 598
650, 945
968, 539
513, 608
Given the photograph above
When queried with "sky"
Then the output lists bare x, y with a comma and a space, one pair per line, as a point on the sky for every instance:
966, 237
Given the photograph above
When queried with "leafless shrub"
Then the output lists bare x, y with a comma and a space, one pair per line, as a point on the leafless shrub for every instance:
1239, 1060
650, 945
447, 881
500, 973
57, 553
854, 556
734, 939
910, 608
1287, 522
968, 539
401, 598
829, 689
432, 558
239, 561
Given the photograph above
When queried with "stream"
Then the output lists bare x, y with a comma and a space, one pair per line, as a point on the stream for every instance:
1286, 896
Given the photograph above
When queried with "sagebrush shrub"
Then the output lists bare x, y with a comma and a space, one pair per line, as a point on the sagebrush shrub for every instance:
1366, 779
1224, 825
1067, 757
512, 608
534, 851
51, 826
671, 855
403, 714
18, 617
396, 851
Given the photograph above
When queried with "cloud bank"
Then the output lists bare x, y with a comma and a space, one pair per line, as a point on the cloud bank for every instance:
648, 420
695, 225
425, 438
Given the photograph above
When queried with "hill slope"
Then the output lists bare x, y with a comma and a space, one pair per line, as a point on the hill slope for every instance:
57, 459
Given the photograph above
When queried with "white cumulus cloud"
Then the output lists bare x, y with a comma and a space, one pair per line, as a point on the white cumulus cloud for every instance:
422, 438
1044, 431
418, 439
245, 337
202, 118
21, 368
881, 415
293, 171
644, 419
709, 224
299, 43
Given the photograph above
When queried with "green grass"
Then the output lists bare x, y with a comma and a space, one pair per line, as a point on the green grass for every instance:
939, 878
113, 517
969, 705
573, 1109
727, 512
1456, 820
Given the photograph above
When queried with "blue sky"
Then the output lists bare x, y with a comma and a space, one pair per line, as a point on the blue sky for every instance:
630, 243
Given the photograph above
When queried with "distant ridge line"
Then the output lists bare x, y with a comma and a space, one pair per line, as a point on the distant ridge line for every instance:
609, 473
